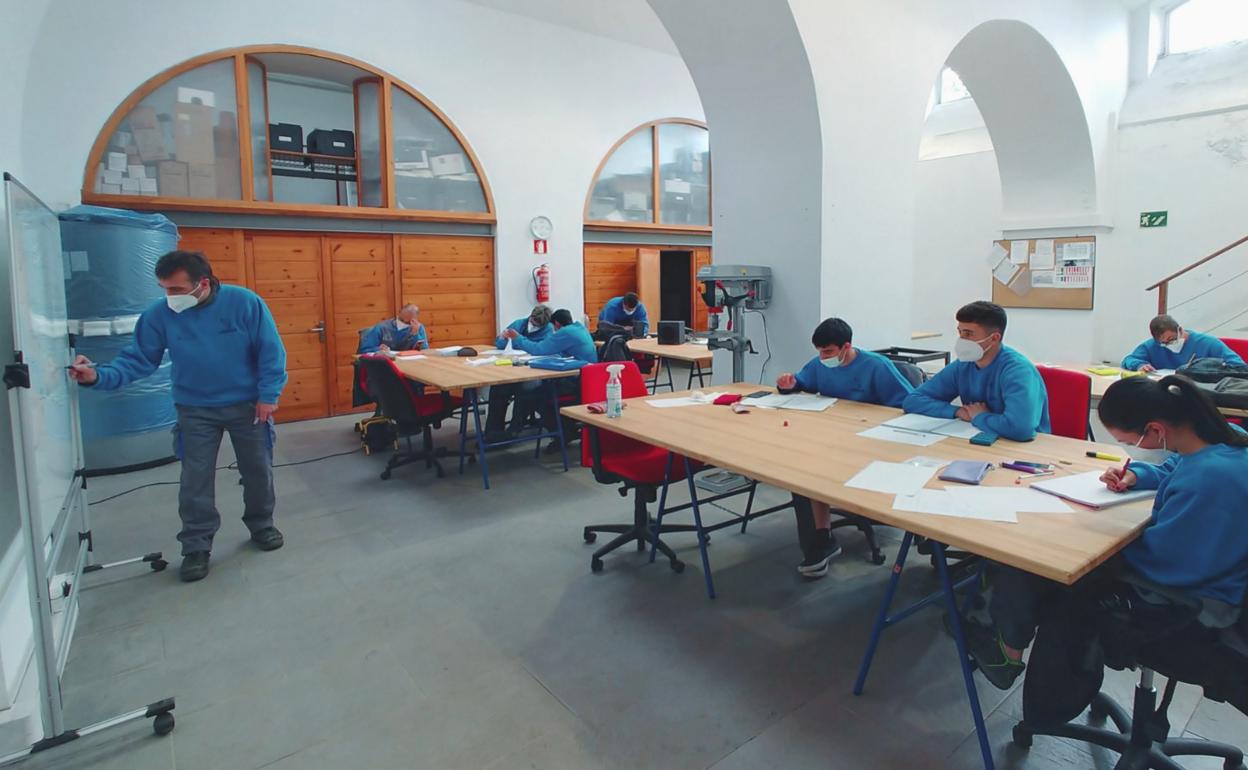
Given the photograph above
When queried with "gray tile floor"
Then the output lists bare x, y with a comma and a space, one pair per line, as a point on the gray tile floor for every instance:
426, 623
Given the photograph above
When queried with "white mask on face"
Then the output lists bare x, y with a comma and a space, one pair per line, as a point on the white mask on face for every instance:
969, 351
629, 312
832, 362
179, 302
401, 325
532, 327
1175, 345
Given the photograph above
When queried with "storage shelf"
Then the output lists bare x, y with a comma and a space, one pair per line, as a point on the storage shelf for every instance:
303, 165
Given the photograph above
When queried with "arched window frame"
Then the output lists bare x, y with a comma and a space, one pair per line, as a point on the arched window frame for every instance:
655, 223
248, 204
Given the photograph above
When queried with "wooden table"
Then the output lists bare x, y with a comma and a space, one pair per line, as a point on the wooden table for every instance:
1101, 383
814, 453
454, 373
697, 356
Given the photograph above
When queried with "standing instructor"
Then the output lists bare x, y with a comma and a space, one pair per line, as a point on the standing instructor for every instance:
229, 368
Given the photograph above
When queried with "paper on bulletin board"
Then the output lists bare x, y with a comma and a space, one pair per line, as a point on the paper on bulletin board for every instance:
1021, 284
1077, 252
1044, 256
1074, 277
1004, 272
995, 256
1018, 252
1043, 279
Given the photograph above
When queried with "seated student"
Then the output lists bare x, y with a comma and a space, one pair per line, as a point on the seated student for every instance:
840, 370
405, 332
626, 311
568, 339
1196, 541
1172, 346
1001, 391
536, 327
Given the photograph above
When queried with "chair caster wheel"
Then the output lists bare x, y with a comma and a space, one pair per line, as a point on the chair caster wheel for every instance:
163, 723
589, 536
1097, 714
595, 564
678, 566
159, 565
385, 475
1022, 738
877, 558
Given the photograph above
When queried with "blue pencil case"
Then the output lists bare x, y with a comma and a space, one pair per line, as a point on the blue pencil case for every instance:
965, 471
556, 363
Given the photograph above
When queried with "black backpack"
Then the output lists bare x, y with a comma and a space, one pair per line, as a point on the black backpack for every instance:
615, 349
1212, 370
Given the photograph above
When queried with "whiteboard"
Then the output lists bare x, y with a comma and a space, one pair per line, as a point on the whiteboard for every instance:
50, 449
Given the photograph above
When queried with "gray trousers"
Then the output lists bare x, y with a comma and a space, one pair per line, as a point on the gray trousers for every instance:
197, 440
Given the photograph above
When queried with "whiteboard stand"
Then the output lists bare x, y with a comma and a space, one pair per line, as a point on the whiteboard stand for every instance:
53, 631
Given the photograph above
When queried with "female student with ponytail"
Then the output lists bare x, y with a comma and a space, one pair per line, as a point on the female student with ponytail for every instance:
1197, 540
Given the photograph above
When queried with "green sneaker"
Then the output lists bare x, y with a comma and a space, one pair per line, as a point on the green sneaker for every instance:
985, 646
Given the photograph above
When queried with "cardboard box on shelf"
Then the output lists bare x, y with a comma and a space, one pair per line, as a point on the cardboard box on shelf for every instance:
113, 177
117, 162
129, 186
225, 135
229, 179
149, 137
172, 176
110, 189
202, 180
192, 133
136, 171
445, 165
147, 187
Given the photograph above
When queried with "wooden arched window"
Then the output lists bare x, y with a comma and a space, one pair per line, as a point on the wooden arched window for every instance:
285, 130
658, 176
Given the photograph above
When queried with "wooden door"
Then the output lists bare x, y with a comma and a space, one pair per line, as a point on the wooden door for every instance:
223, 248
451, 278
361, 293
609, 272
701, 258
288, 276
649, 272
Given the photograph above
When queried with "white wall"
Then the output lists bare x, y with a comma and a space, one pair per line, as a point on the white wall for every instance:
540, 104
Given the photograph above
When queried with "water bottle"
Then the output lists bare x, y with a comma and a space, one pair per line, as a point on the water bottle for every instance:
615, 401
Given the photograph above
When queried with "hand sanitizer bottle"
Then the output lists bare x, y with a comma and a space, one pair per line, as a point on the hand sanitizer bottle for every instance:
615, 401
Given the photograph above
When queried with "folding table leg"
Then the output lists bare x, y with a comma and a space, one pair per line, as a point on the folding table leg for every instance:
463, 433
749, 506
476, 419
658, 518
563, 446
951, 606
881, 618
697, 520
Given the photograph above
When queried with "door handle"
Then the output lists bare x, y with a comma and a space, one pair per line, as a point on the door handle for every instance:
319, 329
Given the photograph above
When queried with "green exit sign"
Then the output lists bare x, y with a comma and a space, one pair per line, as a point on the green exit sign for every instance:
1154, 218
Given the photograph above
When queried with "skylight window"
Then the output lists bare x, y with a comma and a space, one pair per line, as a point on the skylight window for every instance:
951, 87
1200, 24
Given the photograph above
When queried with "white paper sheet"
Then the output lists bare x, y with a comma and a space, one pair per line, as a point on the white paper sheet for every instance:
928, 462
1043, 279
1020, 284
479, 361
697, 398
1077, 252
1074, 277
1044, 257
1088, 489
892, 478
997, 254
940, 503
1018, 252
939, 425
802, 402
901, 436
1008, 499
1005, 272
957, 429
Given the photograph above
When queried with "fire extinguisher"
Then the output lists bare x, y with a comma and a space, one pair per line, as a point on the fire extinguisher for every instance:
541, 282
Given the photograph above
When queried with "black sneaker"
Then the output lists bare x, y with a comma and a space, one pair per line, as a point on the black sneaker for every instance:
985, 646
815, 565
268, 539
194, 567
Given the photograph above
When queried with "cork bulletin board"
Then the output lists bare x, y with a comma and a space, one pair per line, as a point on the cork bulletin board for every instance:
1051, 273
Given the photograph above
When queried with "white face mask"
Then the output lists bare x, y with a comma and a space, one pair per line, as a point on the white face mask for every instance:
969, 351
1176, 345
532, 327
179, 302
832, 362
401, 325
629, 312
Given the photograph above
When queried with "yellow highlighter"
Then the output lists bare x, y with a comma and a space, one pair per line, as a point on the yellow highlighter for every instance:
502, 361
1104, 456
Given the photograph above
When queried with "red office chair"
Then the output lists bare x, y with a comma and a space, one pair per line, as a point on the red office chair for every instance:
1070, 402
412, 412
632, 464
1240, 347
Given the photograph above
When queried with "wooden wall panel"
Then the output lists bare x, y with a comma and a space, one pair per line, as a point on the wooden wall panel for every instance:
609, 272
701, 257
451, 278
361, 295
223, 248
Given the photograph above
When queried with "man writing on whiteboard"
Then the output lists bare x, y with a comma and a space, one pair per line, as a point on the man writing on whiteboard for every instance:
229, 367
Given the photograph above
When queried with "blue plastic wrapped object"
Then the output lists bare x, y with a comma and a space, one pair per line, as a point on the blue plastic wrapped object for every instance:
110, 259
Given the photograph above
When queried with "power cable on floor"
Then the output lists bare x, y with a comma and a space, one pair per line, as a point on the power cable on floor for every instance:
231, 467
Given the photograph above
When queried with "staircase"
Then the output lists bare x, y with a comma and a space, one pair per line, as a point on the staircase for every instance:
1223, 310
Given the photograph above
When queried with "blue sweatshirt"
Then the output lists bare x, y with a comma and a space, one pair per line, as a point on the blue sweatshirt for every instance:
389, 334
224, 352
1150, 351
870, 378
613, 312
572, 340
1198, 536
521, 326
1018, 404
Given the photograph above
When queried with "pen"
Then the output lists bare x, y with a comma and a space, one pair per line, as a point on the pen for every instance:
90, 365
1104, 456
1025, 468
1041, 466
1034, 475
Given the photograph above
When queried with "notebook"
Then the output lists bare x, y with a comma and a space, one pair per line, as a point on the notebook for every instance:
941, 426
1088, 489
